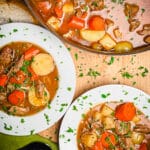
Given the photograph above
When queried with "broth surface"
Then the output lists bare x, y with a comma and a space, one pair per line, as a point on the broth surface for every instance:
20, 77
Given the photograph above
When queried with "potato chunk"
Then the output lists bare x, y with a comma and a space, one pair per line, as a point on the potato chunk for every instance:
68, 7
43, 64
108, 123
106, 111
53, 22
35, 101
91, 35
137, 138
108, 42
88, 139
97, 116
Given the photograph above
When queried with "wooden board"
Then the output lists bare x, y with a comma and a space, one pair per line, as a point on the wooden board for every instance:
94, 70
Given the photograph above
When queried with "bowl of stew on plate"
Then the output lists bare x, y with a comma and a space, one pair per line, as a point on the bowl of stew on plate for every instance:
106, 118
114, 125
24, 81
107, 27
35, 90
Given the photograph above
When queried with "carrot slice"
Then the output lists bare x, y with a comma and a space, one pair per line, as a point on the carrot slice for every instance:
58, 12
16, 97
96, 23
3, 79
108, 139
44, 7
34, 76
98, 146
76, 23
125, 111
143, 146
32, 51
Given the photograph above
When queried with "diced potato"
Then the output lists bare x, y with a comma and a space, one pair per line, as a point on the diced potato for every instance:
106, 111
35, 101
68, 7
137, 138
108, 123
108, 42
136, 119
92, 35
43, 64
88, 139
97, 116
53, 22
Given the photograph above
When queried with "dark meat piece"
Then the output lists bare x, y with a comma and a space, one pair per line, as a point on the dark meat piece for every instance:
122, 127
39, 89
134, 24
131, 10
17, 66
95, 5
126, 143
18, 110
3, 97
147, 39
6, 57
145, 30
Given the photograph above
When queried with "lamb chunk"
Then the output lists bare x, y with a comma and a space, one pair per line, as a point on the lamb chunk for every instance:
3, 97
6, 57
39, 89
17, 66
122, 127
18, 110
131, 10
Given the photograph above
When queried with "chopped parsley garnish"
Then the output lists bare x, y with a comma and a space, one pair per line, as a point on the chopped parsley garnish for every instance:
2, 35
143, 10
83, 116
74, 108
81, 75
22, 120
15, 30
70, 130
24, 68
111, 60
105, 95
69, 49
6, 127
69, 88
85, 97
76, 56
95, 4
118, 1
47, 118
144, 71
127, 75
93, 73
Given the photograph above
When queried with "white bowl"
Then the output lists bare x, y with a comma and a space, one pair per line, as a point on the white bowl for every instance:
13, 125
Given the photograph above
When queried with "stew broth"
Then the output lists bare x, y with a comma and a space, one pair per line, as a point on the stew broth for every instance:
20, 71
98, 24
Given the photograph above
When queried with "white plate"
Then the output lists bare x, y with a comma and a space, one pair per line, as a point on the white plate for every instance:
69, 126
37, 35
